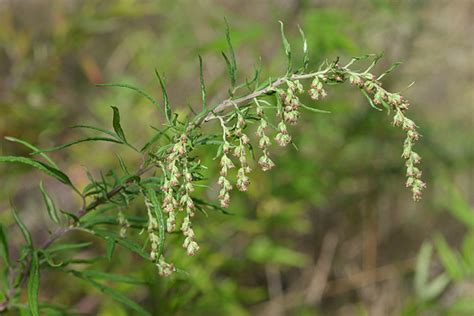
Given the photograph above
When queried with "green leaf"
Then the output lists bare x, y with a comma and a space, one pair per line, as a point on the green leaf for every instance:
370, 100
49, 170
4, 253
233, 61
313, 109
33, 285
122, 165
230, 69
96, 129
62, 247
50, 207
110, 247
117, 296
138, 90
305, 50
422, 267
154, 139
458, 206
168, 112
286, 46
24, 231
126, 243
116, 123
449, 259
203, 86
161, 220
34, 148
93, 274
389, 70
87, 139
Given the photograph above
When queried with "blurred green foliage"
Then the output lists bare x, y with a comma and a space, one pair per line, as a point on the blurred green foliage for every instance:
345, 178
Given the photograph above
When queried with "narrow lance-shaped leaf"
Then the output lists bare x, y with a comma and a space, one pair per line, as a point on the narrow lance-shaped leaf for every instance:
449, 259
34, 148
161, 220
49, 170
305, 50
96, 129
136, 89
166, 103
117, 296
24, 231
50, 207
203, 86
4, 253
87, 139
110, 247
116, 124
230, 69
286, 46
33, 285
233, 61
389, 70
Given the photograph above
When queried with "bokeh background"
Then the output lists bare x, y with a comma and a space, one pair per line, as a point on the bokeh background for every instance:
331, 230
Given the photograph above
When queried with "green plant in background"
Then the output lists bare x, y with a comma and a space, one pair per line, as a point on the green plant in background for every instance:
171, 172
457, 266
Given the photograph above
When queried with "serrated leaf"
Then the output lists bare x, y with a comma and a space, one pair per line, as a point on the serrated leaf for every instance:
32, 147
24, 231
4, 252
286, 46
33, 285
203, 86
168, 113
116, 124
117, 296
305, 50
87, 139
49, 170
161, 220
50, 207
136, 89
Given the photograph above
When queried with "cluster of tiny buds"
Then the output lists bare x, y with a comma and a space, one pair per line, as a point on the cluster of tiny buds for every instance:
164, 268
412, 158
264, 141
186, 203
282, 138
124, 224
316, 91
240, 152
291, 102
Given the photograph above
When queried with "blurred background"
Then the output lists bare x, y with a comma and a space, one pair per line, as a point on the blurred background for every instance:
330, 231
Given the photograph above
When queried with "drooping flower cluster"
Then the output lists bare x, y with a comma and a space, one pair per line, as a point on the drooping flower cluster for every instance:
187, 204
411, 157
226, 164
124, 224
264, 141
399, 104
164, 268
240, 152
291, 102
316, 90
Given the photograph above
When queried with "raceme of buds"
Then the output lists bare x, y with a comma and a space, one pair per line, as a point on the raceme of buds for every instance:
412, 158
124, 224
291, 102
282, 138
316, 90
265, 162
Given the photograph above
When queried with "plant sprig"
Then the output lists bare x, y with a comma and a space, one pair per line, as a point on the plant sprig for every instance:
167, 177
